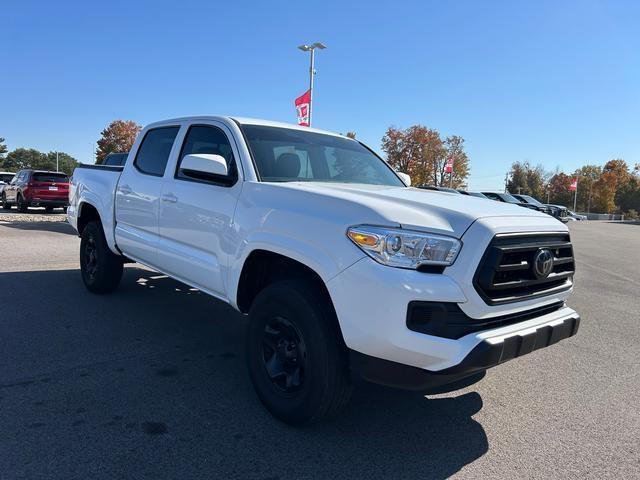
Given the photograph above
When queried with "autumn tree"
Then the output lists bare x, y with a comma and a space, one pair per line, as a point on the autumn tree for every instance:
453, 149
351, 135
420, 152
587, 177
118, 137
559, 192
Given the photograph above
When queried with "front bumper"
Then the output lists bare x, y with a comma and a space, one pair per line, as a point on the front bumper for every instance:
487, 354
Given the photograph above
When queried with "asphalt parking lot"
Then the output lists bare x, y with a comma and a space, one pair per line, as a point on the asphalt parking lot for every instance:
150, 382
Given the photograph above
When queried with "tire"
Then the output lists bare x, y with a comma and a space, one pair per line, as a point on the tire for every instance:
23, 207
6, 205
296, 356
101, 269
48, 209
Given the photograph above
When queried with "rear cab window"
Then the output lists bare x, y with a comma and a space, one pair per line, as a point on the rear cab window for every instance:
154, 151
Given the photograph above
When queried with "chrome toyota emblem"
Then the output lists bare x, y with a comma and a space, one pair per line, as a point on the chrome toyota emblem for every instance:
543, 263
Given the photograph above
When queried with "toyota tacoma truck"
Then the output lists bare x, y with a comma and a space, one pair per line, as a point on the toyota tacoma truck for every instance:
343, 269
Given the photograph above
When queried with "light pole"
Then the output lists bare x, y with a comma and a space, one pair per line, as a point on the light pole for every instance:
311, 48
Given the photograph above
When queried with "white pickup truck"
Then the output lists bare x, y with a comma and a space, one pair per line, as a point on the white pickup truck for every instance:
342, 268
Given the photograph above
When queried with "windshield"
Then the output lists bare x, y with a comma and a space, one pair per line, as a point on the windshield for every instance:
288, 155
531, 200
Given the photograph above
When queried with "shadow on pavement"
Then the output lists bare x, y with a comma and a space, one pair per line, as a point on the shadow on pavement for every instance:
151, 381
56, 227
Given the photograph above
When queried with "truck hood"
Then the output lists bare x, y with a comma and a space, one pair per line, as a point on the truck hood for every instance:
414, 208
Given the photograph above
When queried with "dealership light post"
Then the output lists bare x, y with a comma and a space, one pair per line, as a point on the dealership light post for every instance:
311, 48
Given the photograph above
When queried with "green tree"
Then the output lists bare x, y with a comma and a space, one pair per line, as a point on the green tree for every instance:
587, 177
66, 163
527, 180
31, 158
118, 137
3, 148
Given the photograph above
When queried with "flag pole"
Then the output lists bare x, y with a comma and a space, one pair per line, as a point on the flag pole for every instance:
575, 197
311, 84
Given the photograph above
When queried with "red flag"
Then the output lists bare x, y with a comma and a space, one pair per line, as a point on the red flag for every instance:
448, 167
303, 102
574, 185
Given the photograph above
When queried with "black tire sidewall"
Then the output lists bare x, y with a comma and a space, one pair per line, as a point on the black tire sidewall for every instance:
109, 268
310, 316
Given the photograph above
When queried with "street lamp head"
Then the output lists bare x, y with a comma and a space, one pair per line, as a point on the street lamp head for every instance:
313, 46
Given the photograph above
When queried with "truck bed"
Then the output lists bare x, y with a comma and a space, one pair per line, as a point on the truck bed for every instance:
96, 183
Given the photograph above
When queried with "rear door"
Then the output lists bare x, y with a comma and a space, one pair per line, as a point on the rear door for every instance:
138, 195
196, 213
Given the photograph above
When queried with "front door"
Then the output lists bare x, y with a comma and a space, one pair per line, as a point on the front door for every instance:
196, 213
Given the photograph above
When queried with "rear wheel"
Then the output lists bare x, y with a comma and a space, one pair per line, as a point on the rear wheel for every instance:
23, 207
101, 269
296, 357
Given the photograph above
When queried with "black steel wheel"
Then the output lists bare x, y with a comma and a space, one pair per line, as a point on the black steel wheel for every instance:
284, 355
101, 269
296, 357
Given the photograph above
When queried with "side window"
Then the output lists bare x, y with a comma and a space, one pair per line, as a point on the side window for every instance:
154, 151
209, 140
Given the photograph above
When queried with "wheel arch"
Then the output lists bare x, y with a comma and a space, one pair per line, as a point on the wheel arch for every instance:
263, 267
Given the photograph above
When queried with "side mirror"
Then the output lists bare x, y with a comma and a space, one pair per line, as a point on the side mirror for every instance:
204, 165
405, 178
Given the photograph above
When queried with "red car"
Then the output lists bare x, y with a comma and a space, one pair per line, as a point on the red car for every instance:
37, 188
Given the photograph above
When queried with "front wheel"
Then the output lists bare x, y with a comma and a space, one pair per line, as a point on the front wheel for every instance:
101, 269
48, 209
6, 205
296, 357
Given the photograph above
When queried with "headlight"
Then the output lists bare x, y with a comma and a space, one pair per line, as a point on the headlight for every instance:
404, 248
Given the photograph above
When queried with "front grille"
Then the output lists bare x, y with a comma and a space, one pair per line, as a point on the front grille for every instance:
506, 272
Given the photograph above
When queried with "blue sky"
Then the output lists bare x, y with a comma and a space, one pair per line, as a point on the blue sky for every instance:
553, 82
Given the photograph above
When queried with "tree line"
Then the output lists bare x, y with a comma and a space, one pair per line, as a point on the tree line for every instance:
422, 153
118, 137
611, 188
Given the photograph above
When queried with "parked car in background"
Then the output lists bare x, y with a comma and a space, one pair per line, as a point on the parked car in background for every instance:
37, 188
558, 211
473, 194
115, 159
575, 216
532, 201
5, 179
508, 198
439, 189
341, 268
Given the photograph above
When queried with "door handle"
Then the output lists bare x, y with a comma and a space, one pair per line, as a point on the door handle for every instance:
124, 189
169, 197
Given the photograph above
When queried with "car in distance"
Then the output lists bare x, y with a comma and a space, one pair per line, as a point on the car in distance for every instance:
473, 194
36, 188
340, 267
573, 216
439, 189
5, 179
508, 198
